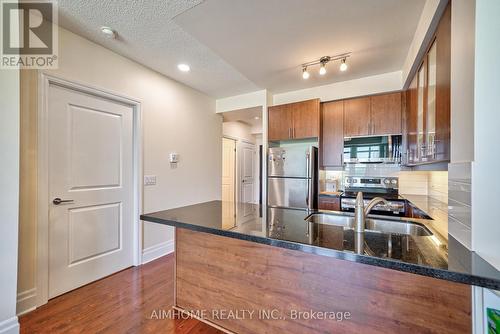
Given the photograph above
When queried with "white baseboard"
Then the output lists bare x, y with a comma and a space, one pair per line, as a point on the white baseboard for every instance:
26, 301
152, 253
9, 326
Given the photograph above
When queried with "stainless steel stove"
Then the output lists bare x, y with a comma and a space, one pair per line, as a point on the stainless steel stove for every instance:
386, 187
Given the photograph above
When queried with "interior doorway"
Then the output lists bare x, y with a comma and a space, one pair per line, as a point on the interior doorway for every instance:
89, 190
244, 128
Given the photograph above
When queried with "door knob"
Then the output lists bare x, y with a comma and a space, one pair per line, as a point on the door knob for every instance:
58, 201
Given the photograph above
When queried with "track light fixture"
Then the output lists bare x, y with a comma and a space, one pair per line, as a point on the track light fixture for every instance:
305, 74
343, 65
323, 61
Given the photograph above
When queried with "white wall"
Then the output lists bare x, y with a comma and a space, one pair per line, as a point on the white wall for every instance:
462, 80
175, 118
485, 184
238, 130
340, 90
243, 101
9, 198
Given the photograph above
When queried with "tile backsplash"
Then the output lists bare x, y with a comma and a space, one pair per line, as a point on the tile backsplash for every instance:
426, 183
459, 202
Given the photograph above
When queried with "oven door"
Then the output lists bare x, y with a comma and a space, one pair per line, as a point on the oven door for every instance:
394, 208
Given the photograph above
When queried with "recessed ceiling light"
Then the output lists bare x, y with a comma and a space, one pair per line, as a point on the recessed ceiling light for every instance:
257, 117
183, 67
108, 32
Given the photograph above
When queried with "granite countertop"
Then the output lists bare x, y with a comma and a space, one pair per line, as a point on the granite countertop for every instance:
423, 255
432, 207
331, 193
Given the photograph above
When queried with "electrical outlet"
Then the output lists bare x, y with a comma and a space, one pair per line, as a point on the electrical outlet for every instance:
149, 180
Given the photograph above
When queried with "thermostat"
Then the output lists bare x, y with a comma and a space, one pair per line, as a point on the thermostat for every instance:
174, 158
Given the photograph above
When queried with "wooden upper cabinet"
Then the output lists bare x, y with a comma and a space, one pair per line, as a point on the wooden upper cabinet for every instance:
294, 120
280, 122
332, 133
428, 102
357, 117
373, 115
441, 142
306, 119
386, 114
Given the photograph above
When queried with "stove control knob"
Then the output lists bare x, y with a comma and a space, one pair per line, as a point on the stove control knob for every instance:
386, 181
394, 181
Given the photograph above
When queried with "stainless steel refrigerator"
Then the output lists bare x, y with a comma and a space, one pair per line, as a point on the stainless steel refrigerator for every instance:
292, 177
292, 181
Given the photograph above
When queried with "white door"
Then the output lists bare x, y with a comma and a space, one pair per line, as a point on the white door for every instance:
247, 179
91, 167
228, 183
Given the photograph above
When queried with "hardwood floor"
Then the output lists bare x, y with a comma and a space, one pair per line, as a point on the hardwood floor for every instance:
130, 301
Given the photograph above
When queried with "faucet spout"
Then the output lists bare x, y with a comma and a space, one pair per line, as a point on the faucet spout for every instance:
360, 212
374, 202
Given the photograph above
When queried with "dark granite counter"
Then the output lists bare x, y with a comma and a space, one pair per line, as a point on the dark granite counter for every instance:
423, 255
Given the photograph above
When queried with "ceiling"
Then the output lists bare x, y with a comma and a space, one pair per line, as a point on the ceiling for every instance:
239, 46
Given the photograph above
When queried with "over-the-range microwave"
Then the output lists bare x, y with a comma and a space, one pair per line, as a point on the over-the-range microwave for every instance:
373, 149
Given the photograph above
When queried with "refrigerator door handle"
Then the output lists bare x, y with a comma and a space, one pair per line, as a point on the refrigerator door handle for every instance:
308, 173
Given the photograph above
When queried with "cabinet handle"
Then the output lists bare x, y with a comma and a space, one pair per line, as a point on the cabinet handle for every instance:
293, 133
289, 132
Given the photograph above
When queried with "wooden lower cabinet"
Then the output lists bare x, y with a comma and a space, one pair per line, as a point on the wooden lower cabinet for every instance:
218, 274
329, 203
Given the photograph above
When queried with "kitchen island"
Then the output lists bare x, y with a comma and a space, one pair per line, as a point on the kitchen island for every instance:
304, 277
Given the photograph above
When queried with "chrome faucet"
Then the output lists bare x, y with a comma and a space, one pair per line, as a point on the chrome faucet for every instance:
360, 212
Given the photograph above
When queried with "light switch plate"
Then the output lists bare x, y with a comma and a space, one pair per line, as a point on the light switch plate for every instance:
149, 180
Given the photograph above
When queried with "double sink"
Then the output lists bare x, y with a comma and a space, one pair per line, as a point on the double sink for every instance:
385, 225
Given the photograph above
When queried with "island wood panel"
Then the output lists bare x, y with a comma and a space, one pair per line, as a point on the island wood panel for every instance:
280, 122
357, 119
332, 133
386, 114
305, 119
221, 273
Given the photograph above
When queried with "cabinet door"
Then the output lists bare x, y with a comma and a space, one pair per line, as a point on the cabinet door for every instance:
332, 133
386, 114
280, 122
329, 203
421, 106
357, 117
430, 114
305, 119
443, 69
411, 122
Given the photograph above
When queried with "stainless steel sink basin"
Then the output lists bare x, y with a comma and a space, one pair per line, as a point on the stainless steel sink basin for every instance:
372, 225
